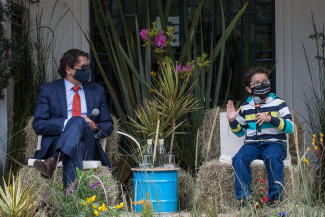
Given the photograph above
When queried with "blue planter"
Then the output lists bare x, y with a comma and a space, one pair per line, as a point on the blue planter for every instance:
161, 187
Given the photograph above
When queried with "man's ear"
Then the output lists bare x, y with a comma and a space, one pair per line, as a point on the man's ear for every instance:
68, 70
249, 89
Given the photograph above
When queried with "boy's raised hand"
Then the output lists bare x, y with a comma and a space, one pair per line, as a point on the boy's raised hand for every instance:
231, 112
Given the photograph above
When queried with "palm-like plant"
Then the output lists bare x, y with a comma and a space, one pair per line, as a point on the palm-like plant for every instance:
18, 201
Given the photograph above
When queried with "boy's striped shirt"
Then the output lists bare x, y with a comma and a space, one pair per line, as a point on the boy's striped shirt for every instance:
275, 130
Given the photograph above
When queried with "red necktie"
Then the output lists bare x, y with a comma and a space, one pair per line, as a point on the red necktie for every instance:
76, 106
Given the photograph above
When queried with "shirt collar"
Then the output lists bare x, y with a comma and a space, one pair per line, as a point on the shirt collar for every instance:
68, 85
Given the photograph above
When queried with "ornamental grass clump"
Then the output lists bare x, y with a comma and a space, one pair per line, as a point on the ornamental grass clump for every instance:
17, 200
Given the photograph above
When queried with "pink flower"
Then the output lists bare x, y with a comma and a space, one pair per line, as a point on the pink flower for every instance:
263, 189
179, 67
143, 33
160, 41
266, 199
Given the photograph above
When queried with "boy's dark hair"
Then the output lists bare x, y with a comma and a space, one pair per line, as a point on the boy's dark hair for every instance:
251, 72
70, 58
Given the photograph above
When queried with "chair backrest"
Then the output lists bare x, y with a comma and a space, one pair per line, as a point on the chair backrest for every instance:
102, 142
229, 142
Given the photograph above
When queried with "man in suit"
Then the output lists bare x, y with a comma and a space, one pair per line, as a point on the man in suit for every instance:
61, 118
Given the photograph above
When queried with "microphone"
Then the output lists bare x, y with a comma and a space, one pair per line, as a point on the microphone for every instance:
94, 113
257, 101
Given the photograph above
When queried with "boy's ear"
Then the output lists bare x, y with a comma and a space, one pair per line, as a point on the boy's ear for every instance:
249, 89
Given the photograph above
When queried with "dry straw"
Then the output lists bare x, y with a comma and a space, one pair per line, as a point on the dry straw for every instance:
186, 185
204, 136
216, 180
29, 174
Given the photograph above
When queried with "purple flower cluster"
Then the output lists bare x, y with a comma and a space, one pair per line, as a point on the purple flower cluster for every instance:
160, 39
183, 70
69, 191
95, 185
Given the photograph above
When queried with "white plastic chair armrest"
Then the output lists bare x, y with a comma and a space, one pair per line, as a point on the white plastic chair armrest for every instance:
39, 142
102, 142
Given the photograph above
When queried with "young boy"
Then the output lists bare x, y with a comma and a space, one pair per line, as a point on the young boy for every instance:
269, 144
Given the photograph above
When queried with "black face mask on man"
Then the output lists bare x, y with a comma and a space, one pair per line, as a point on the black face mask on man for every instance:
261, 91
82, 75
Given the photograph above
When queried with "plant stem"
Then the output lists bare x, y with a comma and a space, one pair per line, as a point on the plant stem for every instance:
172, 142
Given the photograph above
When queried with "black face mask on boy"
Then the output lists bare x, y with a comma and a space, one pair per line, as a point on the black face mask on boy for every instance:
261, 91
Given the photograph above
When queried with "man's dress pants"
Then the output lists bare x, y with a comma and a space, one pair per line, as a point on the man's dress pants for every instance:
78, 142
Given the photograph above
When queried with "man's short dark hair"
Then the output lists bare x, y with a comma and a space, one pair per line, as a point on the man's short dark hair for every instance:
251, 72
70, 58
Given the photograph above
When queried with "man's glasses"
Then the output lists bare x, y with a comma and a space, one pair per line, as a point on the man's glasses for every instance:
258, 84
83, 67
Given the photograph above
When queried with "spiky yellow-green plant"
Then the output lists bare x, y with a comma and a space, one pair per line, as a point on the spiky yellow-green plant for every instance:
18, 201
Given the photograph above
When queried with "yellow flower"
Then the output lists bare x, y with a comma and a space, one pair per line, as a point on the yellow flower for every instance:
95, 207
118, 207
96, 212
314, 139
308, 149
89, 200
316, 148
321, 140
158, 62
152, 90
121, 205
321, 135
139, 202
314, 135
163, 63
103, 208
154, 73
313, 144
83, 203
306, 161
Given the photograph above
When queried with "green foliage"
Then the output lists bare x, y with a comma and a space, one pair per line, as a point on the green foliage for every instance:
314, 97
84, 196
8, 61
134, 77
17, 200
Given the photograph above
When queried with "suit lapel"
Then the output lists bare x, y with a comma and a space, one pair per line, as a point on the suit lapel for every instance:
62, 98
89, 97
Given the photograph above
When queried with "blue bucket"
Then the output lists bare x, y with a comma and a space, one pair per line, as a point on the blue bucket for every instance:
161, 187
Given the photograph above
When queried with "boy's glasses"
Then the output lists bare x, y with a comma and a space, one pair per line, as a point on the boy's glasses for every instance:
258, 84
83, 67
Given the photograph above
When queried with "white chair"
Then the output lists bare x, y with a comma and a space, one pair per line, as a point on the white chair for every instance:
89, 163
230, 143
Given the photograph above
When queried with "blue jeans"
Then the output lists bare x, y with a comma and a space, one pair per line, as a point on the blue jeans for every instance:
273, 154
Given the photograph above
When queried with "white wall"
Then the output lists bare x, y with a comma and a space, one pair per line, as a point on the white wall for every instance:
293, 26
68, 34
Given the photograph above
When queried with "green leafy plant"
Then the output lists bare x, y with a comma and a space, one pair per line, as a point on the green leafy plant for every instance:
85, 186
17, 200
314, 98
133, 87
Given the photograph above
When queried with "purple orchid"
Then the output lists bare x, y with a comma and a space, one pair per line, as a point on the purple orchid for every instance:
179, 67
143, 33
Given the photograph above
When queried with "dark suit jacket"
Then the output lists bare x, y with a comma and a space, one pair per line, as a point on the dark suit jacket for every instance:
51, 112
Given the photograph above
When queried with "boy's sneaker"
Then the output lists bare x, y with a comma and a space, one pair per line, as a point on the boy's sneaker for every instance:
274, 204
